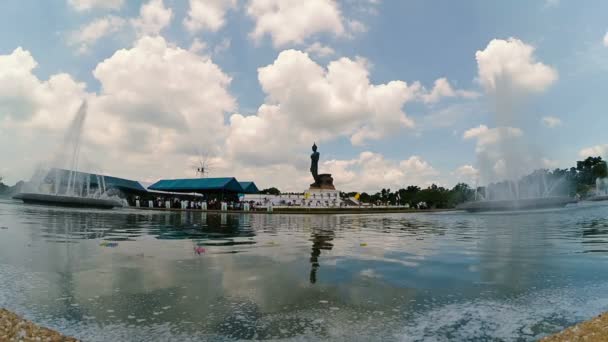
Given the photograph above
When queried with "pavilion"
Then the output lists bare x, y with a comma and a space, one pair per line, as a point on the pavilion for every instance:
249, 188
212, 187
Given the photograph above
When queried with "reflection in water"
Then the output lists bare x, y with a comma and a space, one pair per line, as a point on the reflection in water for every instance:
384, 277
321, 240
595, 232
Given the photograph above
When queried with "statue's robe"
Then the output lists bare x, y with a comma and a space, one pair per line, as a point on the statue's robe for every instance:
314, 166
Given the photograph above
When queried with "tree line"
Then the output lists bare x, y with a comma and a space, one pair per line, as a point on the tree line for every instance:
433, 196
579, 180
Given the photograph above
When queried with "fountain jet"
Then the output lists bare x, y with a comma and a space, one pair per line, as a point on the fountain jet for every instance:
66, 186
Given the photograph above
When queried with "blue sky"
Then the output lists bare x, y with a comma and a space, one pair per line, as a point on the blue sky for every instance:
417, 42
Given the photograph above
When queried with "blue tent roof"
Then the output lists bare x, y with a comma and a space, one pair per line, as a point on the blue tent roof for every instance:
198, 185
249, 187
111, 182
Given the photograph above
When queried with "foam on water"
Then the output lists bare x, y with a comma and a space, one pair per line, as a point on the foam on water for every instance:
527, 317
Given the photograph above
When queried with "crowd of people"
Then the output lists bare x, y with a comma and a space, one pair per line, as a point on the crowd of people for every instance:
190, 203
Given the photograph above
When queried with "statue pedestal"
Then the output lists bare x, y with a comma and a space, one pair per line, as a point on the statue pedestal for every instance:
326, 182
317, 197
322, 193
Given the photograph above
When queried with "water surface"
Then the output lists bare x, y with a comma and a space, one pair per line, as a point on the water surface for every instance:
147, 276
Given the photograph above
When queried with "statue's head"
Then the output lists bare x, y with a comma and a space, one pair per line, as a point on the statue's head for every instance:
314, 147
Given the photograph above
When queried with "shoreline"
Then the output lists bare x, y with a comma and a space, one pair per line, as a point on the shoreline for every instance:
285, 210
306, 211
15, 328
592, 330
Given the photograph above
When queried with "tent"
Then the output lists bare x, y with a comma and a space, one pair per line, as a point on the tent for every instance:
199, 185
249, 188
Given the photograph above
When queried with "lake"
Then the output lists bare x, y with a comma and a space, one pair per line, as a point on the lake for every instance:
158, 276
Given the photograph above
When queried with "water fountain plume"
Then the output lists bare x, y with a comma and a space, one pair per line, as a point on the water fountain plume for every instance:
62, 183
506, 160
601, 190
537, 190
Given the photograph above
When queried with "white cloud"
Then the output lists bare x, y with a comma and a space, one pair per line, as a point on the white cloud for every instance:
467, 174
551, 121
156, 99
293, 21
198, 46
371, 172
511, 63
355, 26
89, 34
154, 102
488, 136
167, 94
26, 99
222, 46
17, 84
153, 18
449, 116
366, 172
32, 111
207, 14
85, 5
594, 151
606, 39
442, 88
306, 103
475, 132
320, 50
364, 7
549, 163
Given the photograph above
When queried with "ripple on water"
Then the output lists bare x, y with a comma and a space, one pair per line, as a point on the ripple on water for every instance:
437, 277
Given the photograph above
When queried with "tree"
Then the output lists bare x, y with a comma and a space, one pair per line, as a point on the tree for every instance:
460, 193
407, 195
588, 168
434, 196
600, 170
271, 191
385, 195
364, 197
